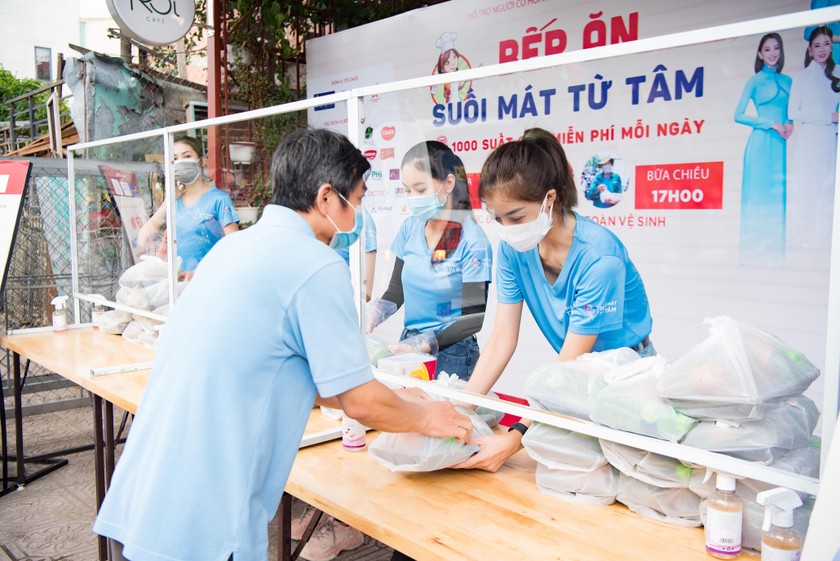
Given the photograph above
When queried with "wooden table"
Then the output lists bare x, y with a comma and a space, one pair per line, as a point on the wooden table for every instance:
461, 515
449, 515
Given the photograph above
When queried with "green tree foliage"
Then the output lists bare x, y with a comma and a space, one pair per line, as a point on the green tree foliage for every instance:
11, 87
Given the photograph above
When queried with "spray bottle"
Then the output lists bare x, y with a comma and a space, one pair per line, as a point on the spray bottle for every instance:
779, 541
59, 317
724, 519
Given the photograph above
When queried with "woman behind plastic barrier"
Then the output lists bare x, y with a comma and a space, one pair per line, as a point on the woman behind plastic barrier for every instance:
443, 263
370, 249
203, 213
764, 179
575, 275
814, 96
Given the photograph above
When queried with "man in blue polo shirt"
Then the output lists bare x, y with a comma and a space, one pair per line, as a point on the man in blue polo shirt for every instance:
266, 328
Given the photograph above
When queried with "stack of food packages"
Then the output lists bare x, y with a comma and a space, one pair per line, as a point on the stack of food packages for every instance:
738, 392
144, 285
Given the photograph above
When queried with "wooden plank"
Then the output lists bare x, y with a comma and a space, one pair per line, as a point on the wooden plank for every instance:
460, 515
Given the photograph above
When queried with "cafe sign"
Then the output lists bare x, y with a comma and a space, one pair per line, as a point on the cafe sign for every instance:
153, 22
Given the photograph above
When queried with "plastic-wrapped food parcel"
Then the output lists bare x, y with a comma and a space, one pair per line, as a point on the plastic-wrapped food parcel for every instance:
738, 392
144, 285
417, 452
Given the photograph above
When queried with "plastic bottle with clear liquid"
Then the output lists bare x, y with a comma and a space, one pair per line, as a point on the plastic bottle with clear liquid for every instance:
723, 520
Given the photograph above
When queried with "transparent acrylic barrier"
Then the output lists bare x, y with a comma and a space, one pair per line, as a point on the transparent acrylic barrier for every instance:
714, 226
149, 207
115, 190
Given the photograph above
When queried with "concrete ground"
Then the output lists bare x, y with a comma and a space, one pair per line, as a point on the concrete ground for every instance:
51, 518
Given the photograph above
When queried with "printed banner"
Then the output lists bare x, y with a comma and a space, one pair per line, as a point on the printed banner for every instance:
124, 189
14, 177
714, 163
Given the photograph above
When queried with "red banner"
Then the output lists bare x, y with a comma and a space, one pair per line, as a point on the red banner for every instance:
13, 179
687, 186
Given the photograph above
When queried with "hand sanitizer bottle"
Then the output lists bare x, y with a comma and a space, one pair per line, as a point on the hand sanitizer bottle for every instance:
59, 317
779, 541
723, 520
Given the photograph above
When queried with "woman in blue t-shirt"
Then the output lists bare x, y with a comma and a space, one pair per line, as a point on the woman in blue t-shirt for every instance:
575, 275
443, 263
203, 213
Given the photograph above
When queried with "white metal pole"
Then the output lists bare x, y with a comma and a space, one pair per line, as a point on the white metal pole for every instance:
74, 252
357, 253
831, 373
169, 201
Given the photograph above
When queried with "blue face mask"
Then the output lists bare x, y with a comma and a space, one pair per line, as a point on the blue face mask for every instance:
427, 207
341, 239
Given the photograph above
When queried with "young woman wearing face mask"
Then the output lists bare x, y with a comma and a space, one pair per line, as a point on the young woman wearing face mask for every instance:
443, 263
575, 276
203, 213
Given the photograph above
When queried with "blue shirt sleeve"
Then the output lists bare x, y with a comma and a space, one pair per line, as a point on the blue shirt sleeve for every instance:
599, 298
325, 327
370, 233
508, 290
225, 213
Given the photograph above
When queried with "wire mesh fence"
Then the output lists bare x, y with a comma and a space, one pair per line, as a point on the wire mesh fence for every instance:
40, 264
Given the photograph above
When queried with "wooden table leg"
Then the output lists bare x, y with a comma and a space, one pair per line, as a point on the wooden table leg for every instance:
284, 528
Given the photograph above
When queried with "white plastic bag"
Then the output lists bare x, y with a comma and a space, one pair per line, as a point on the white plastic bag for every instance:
411, 451
147, 271
113, 321
561, 449
567, 387
651, 468
148, 297
736, 364
676, 506
595, 487
787, 425
631, 402
804, 460
377, 348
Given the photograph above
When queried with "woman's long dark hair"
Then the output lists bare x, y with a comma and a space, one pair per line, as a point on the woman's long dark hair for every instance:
781, 62
829, 64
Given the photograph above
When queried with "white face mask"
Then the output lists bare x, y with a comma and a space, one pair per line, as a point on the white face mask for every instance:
525, 237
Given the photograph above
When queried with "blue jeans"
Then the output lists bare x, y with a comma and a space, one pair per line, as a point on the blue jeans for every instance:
459, 358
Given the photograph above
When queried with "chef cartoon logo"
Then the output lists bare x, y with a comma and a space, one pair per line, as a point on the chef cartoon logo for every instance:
450, 60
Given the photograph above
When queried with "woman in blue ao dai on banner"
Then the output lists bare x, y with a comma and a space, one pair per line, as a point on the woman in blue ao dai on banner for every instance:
764, 183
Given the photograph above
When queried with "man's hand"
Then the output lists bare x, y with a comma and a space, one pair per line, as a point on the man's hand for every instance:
495, 450
412, 394
443, 421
